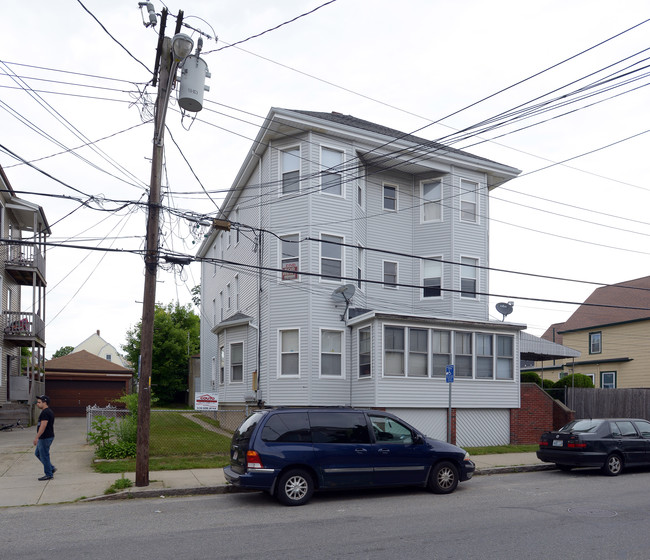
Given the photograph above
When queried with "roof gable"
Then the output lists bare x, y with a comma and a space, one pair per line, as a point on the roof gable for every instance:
617, 303
83, 361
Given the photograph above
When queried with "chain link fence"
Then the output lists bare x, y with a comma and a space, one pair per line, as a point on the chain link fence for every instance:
179, 432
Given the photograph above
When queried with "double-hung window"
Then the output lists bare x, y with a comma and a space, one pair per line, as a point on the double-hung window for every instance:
418, 365
394, 351
390, 274
290, 257
331, 174
431, 195
237, 362
360, 259
390, 198
290, 162
431, 278
463, 355
468, 201
331, 257
331, 355
468, 277
289, 352
484, 356
505, 353
440, 352
364, 352
222, 365
595, 342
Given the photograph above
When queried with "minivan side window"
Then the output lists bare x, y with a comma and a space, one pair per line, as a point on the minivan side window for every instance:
339, 427
287, 427
388, 430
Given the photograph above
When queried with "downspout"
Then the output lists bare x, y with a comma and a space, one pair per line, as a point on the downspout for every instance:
259, 239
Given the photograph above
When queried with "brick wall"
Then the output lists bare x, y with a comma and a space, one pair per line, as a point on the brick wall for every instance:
533, 418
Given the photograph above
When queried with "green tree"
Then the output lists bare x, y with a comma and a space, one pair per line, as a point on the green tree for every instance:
175, 338
63, 351
196, 295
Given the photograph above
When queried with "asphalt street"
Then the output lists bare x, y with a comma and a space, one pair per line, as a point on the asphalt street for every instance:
547, 514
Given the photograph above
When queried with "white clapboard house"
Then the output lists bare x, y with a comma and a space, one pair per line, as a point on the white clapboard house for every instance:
353, 272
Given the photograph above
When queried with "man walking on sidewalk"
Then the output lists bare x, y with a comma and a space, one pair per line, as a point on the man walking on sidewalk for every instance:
45, 436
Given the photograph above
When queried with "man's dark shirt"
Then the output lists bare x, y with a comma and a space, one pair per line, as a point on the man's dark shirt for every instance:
46, 414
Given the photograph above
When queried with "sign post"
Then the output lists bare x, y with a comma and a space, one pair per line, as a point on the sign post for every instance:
449, 378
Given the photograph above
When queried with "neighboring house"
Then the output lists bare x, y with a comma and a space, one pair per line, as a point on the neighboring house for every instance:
24, 230
82, 379
353, 272
95, 344
611, 330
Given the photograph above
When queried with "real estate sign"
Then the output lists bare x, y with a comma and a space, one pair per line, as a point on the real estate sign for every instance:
206, 401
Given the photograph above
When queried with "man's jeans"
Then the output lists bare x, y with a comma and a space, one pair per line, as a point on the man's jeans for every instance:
43, 454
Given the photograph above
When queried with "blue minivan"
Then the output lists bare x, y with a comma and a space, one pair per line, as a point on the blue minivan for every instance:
291, 452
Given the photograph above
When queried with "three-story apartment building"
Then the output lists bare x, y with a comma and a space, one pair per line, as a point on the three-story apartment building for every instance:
353, 273
23, 229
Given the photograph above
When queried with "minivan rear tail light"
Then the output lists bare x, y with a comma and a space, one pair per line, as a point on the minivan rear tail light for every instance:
253, 460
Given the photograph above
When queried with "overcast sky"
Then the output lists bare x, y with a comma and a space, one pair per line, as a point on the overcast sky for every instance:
400, 64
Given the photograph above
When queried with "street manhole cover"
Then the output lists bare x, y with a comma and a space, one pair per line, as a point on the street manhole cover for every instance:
592, 512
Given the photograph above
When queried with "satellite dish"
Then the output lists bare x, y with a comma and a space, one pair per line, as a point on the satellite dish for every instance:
505, 308
344, 293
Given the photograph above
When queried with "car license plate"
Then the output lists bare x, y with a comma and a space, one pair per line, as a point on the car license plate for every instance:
557, 443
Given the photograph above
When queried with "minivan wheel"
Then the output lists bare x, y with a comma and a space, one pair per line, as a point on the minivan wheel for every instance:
613, 465
295, 488
443, 478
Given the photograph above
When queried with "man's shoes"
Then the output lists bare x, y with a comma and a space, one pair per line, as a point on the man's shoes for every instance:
46, 478
53, 470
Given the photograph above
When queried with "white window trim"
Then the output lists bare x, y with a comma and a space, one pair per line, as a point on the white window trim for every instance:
320, 353
236, 292
298, 276
222, 364
361, 268
423, 201
281, 169
476, 297
383, 275
279, 374
323, 168
369, 328
442, 275
383, 351
243, 362
476, 201
320, 258
383, 197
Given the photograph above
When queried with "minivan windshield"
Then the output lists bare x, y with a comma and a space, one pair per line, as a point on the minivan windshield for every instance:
243, 433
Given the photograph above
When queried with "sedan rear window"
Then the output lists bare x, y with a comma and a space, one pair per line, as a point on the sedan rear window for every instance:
584, 426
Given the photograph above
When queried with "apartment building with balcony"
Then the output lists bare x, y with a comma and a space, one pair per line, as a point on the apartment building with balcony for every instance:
23, 232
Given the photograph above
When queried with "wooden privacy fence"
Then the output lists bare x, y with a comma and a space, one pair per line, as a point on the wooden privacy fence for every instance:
609, 403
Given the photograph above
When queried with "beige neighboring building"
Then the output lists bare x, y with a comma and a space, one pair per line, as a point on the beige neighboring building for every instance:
96, 345
611, 330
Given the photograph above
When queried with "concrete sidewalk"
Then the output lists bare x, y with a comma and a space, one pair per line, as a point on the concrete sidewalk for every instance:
75, 478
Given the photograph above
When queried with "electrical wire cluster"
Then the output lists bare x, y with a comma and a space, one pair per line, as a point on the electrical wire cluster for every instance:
184, 228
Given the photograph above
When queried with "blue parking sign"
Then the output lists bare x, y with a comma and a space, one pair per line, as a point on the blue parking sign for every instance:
449, 374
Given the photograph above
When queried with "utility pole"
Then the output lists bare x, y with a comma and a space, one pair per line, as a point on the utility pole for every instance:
168, 63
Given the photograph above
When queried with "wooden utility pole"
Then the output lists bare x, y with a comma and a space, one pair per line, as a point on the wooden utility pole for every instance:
151, 263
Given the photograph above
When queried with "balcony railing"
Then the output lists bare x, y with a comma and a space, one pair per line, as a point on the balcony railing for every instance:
23, 328
25, 258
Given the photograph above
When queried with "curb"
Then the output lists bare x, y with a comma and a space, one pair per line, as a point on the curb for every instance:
230, 489
515, 469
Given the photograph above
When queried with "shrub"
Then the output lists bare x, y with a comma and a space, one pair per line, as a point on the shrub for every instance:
548, 383
102, 431
574, 380
531, 377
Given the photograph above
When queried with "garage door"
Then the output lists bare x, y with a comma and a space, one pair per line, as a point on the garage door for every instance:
480, 427
70, 398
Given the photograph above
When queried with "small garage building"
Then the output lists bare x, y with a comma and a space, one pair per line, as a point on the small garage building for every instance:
82, 379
